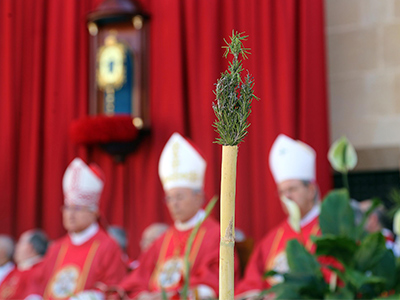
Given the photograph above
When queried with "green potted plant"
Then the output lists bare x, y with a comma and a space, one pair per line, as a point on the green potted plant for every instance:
362, 268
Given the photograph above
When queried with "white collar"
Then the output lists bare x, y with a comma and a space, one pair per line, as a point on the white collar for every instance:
199, 216
311, 215
85, 235
28, 263
5, 270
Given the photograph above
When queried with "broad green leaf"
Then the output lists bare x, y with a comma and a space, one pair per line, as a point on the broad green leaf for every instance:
386, 268
300, 260
313, 288
397, 284
302, 285
337, 216
370, 252
342, 293
342, 155
391, 297
358, 279
340, 247
287, 294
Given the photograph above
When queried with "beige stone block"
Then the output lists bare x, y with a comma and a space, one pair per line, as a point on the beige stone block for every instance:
364, 95
396, 93
359, 130
374, 12
397, 9
378, 94
386, 131
347, 98
356, 50
342, 12
391, 45
364, 132
346, 107
359, 106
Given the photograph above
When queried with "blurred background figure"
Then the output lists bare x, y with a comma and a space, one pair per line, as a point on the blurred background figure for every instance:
6, 253
29, 251
150, 234
379, 221
119, 235
30, 248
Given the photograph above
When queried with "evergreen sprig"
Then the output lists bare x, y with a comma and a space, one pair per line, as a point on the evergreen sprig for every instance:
233, 95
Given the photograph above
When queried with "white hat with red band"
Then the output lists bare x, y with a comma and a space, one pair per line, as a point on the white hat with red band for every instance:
82, 184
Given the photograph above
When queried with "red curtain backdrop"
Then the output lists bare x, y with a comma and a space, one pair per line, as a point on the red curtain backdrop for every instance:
44, 86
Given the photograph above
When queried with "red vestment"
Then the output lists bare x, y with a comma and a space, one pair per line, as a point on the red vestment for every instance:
270, 255
69, 269
162, 265
19, 283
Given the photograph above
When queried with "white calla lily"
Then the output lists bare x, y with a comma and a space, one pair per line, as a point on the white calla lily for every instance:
396, 223
294, 213
342, 155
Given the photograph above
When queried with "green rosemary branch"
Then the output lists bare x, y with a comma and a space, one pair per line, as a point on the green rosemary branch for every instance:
233, 96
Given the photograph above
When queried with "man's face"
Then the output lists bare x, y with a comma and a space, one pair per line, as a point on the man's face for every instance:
183, 203
77, 218
24, 249
303, 195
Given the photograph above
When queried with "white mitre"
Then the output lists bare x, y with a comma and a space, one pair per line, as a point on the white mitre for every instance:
181, 165
82, 184
291, 159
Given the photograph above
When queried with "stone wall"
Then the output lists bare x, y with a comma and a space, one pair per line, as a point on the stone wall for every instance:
363, 59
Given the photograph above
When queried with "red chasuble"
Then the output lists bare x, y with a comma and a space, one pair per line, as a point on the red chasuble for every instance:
18, 284
270, 255
69, 269
162, 265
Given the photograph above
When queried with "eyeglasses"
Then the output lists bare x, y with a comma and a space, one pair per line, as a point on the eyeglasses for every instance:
180, 196
177, 197
290, 190
75, 208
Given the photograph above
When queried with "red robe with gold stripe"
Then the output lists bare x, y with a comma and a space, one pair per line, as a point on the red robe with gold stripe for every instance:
162, 265
270, 255
69, 269
18, 284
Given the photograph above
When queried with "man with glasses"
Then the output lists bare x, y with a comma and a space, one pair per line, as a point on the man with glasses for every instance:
292, 164
84, 261
162, 266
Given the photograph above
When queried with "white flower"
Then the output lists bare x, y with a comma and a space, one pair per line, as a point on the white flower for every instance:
396, 223
294, 213
342, 155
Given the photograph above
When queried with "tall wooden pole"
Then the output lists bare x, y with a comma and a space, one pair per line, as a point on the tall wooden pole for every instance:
232, 108
227, 222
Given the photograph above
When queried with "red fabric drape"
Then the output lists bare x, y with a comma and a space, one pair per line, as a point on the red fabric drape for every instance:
44, 86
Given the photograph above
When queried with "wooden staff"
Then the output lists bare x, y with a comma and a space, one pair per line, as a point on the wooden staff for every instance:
232, 108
